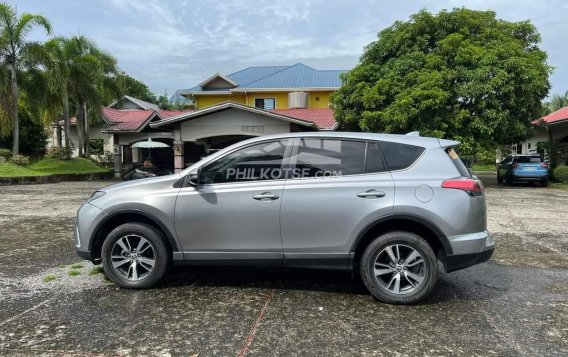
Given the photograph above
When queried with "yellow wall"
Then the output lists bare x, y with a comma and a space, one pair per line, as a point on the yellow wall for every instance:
248, 99
323, 99
205, 101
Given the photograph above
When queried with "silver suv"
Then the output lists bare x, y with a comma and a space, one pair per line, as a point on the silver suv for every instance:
393, 207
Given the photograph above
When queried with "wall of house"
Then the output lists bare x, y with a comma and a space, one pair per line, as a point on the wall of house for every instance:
205, 101
232, 122
248, 99
94, 133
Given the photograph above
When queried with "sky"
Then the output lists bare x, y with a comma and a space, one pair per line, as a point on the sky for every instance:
171, 45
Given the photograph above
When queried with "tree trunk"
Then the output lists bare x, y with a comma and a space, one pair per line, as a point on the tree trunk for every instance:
81, 127
66, 119
87, 138
15, 121
58, 128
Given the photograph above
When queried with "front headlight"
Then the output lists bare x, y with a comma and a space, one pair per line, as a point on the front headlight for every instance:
95, 195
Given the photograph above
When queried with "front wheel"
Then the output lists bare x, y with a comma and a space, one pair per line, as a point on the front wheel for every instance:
499, 179
135, 256
399, 268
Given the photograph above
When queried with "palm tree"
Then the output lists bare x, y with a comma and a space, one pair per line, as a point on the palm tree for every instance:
91, 73
13, 46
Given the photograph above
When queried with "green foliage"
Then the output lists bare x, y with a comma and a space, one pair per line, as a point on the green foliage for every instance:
97, 270
459, 74
49, 278
6, 153
561, 173
557, 102
134, 88
74, 272
33, 137
72, 166
58, 152
76, 266
20, 160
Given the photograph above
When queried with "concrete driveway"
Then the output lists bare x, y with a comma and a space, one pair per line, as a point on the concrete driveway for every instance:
517, 304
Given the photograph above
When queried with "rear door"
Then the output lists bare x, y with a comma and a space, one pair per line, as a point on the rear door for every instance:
334, 188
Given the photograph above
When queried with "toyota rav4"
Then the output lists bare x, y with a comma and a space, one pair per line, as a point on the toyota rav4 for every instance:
391, 207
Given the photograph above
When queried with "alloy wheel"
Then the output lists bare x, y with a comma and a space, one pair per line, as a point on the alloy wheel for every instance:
399, 269
133, 257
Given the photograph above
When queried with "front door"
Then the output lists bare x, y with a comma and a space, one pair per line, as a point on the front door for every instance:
336, 188
234, 213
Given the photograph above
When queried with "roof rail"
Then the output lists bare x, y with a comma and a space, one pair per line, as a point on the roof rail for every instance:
413, 133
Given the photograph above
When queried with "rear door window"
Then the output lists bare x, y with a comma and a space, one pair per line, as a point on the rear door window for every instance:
528, 159
400, 156
329, 157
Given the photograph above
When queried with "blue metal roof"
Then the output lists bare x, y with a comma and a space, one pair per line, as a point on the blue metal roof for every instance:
295, 76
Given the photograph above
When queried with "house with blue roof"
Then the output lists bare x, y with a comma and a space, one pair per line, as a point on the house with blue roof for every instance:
229, 108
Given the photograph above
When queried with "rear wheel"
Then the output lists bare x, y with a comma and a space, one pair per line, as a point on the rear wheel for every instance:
508, 180
135, 256
544, 182
399, 268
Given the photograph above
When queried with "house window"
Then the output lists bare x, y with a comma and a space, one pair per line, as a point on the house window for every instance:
265, 103
518, 148
317, 99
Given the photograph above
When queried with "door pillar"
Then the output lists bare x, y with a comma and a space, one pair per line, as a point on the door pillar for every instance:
179, 164
117, 155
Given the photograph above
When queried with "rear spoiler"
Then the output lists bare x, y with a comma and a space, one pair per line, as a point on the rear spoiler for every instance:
448, 143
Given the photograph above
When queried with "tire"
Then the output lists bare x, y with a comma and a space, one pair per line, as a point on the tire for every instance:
128, 268
382, 287
544, 183
499, 179
508, 180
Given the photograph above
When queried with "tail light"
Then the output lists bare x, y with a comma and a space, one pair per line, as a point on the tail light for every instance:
544, 165
515, 166
470, 186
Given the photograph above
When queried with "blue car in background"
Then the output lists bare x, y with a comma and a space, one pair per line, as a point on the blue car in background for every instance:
528, 168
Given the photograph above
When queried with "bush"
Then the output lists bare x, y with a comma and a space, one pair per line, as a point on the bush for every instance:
20, 160
561, 173
5, 153
58, 152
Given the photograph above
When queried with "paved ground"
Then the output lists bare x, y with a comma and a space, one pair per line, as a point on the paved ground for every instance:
517, 304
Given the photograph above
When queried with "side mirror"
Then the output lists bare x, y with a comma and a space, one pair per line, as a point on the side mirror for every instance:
193, 177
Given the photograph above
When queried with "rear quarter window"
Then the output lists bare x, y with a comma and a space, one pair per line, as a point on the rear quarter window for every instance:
400, 156
462, 169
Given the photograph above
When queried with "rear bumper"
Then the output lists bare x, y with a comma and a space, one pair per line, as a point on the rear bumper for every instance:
470, 249
457, 262
529, 176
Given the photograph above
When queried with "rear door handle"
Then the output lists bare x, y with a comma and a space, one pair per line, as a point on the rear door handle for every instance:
266, 196
371, 194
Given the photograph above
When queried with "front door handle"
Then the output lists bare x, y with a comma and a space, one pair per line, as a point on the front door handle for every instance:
266, 196
371, 194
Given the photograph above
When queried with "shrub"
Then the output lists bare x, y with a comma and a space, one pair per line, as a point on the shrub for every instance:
5, 153
58, 152
20, 160
561, 173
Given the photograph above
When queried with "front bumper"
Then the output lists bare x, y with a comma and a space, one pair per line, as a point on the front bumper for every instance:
470, 249
88, 217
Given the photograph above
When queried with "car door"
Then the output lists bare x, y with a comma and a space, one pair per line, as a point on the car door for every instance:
334, 189
234, 212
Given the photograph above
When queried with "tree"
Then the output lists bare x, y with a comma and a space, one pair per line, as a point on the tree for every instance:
13, 46
556, 103
134, 88
91, 73
459, 74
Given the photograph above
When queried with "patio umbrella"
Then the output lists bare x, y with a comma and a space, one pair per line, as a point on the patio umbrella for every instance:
149, 144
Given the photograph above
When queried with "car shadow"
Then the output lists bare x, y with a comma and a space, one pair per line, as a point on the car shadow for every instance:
468, 284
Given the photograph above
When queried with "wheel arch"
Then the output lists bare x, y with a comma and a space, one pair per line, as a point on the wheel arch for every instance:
401, 222
128, 216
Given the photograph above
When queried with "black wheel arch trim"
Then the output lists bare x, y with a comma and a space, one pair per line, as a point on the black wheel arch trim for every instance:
406, 216
146, 214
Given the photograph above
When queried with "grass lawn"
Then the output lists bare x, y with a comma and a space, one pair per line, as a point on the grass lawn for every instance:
73, 166
484, 167
50, 166
560, 185
7, 169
